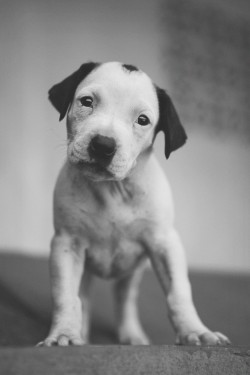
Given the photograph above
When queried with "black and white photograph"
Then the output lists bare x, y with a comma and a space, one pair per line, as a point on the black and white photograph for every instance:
125, 187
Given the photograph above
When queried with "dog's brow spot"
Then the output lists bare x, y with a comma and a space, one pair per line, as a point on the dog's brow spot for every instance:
130, 68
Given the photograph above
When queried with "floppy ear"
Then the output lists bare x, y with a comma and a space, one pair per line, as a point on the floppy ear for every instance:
61, 94
169, 123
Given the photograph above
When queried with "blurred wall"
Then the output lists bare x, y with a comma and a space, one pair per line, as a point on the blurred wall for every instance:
42, 42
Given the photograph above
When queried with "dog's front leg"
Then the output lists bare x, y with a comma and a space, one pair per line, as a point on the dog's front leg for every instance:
66, 268
168, 260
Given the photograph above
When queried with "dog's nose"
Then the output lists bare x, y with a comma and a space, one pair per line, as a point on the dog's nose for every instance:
102, 147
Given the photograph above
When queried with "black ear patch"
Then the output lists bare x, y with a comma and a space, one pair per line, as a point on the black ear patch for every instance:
130, 68
169, 123
61, 94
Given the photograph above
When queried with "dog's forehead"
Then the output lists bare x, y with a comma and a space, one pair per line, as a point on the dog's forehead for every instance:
122, 79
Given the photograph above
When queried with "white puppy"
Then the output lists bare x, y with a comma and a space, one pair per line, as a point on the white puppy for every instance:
113, 208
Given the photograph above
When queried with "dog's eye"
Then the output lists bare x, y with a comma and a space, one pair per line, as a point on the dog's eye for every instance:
143, 120
86, 101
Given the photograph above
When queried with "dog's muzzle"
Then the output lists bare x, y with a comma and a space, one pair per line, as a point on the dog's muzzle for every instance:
102, 149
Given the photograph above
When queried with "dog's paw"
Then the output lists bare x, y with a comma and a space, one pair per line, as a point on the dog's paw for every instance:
133, 336
204, 338
62, 337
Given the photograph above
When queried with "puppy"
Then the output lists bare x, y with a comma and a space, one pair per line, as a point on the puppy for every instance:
113, 209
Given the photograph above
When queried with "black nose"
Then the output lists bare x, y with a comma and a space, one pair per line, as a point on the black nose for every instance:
102, 147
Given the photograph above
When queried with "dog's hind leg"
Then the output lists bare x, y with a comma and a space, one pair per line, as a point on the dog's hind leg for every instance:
130, 330
84, 296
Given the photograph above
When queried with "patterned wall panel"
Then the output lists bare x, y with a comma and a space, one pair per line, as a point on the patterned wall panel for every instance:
207, 55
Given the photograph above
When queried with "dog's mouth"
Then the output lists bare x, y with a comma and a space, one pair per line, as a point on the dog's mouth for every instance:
91, 167
99, 169
95, 171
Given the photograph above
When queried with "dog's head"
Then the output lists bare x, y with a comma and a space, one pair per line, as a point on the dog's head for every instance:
114, 112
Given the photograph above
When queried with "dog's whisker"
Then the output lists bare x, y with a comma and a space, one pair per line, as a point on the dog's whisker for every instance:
61, 145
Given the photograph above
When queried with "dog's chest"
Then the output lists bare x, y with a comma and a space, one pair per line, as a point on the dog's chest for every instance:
114, 221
